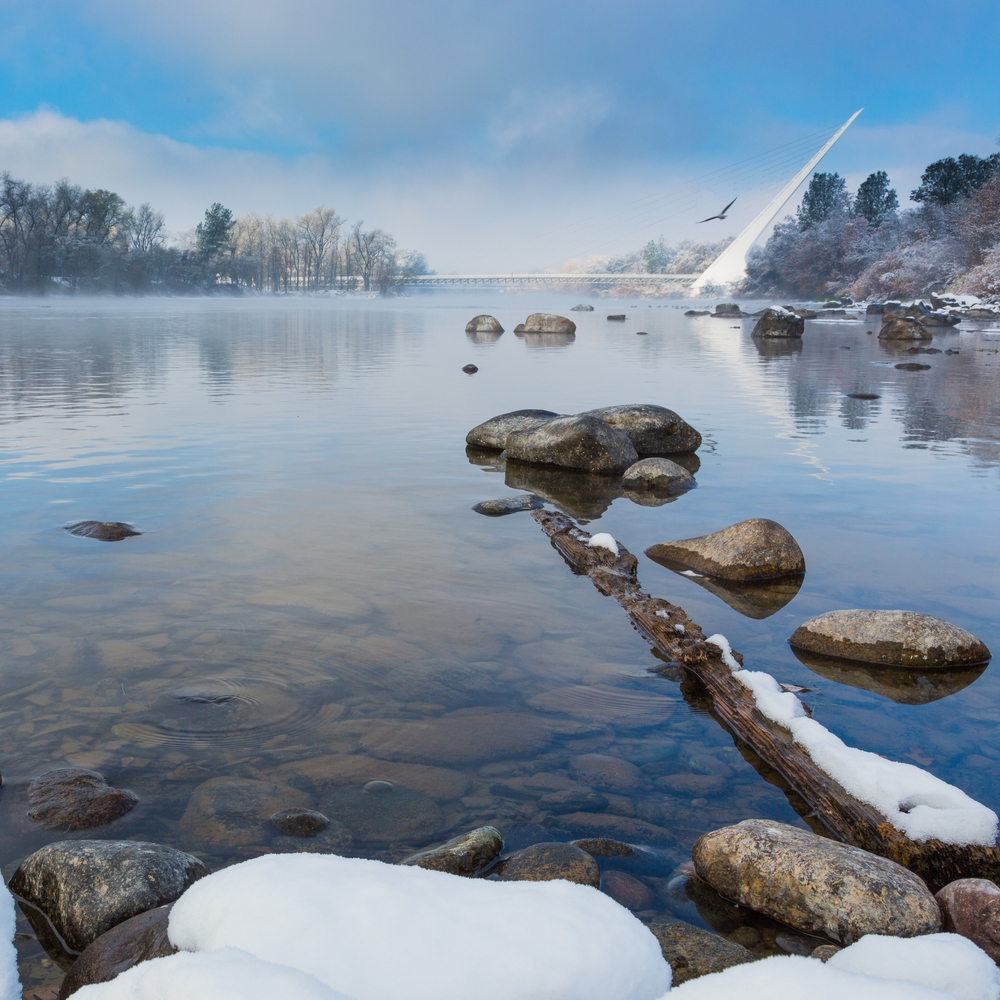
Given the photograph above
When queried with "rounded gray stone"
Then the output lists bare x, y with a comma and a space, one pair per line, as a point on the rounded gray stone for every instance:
652, 429
692, 952
659, 475
483, 324
779, 323
464, 855
493, 433
550, 861
582, 442
75, 798
903, 328
548, 323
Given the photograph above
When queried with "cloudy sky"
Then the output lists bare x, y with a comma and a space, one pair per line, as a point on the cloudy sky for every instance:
511, 135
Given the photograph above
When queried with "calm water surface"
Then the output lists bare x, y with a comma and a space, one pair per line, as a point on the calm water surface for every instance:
313, 603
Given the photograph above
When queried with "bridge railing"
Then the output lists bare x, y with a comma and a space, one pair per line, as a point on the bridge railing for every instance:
643, 278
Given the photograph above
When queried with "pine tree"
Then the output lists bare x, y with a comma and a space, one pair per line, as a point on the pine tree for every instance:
875, 200
945, 180
213, 235
826, 195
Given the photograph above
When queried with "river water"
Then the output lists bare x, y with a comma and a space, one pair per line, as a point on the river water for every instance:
313, 603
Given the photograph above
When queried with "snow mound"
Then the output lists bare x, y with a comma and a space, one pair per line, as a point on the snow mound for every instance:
602, 540
10, 983
386, 932
916, 802
227, 974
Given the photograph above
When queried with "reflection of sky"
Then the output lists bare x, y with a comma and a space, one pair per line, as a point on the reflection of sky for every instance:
265, 445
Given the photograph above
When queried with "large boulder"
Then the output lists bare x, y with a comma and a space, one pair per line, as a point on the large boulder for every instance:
756, 549
896, 327
132, 941
779, 323
493, 433
546, 862
971, 907
658, 475
483, 324
727, 310
891, 638
582, 442
813, 884
652, 429
693, 952
86, 887
548, 323
464, 855
74, 798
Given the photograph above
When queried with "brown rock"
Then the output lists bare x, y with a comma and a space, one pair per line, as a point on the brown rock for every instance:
581, 442
891, 638
548, 323
133, 941
299, 822
756, 549
693, 952
971, 907
824, 952
604, 847
652, 429
627, 890
483, 324
493, 433
813, 884
779, 323
609, 774
691, 784
73, 798
903, 328
628, 828
547, 862
465, 855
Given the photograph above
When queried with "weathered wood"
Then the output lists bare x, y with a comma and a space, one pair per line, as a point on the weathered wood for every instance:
676, 637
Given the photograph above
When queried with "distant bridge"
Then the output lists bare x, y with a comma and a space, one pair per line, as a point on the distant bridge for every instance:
597, 280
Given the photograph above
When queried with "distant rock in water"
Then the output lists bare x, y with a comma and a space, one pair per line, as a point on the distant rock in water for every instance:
483, 324
697, 312
903, 328
582, 308
581, 442
755, 549
103, 531
548, 323
935, 318
892, 638
73, 798
519, 328
806, 313
912, 366
493, 433
617, 318
652, 429
862, 395
875, 309
779, 323
642, 333
508, 505
728, 310
658, 475
469, 369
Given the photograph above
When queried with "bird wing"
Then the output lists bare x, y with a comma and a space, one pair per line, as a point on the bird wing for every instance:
728, 207
710, 218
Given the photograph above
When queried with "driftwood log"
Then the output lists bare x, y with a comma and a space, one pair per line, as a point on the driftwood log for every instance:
677, 639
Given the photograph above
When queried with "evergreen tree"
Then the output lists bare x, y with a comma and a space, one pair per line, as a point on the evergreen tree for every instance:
826, 195
875, 200
213, 235
945, 180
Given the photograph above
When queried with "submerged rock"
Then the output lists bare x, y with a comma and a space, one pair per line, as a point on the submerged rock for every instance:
692, 952
756, 549
814, 884
892, 638
483, 324
493, 433
508, 505
546, 862
299, 822
971, 907
779, 323
627, 890
384, 813
73, 798
548, 323
912, 366
652, 429
658, 475
903, 328
581, 442
103, 531
135, 940
582, 307
465, 855
86, 887
605, 847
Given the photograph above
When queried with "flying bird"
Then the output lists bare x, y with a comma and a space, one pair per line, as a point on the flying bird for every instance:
721, 214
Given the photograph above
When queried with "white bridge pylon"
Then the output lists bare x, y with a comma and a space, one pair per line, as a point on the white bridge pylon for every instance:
730, 266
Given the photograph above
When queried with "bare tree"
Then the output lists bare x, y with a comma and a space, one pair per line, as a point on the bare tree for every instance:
319, 232
143, 228
376, 254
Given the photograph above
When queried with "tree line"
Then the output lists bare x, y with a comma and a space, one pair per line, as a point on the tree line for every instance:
64, 237
865, 246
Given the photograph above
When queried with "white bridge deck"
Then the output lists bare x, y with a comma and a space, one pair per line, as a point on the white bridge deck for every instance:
548, 279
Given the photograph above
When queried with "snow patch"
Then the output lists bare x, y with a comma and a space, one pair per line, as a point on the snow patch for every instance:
602, 540
917, 803
690, 572
681, 629
10, 984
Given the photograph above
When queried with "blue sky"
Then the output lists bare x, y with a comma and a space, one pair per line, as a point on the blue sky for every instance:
506, 135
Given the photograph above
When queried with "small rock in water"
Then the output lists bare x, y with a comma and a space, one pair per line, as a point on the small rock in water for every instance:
571, 801
693, 952
971, 907
483, 324
135, 940
923, 350
519, 328
891, 638
103, 531
619, 318
756, 549
86, 887
697, 312
779, 323
659, 475
493, 433
903, 328
73, 798
652, 429
465, 855
508, 505
627, 890
582, 307
863, 395
546, 862
335, 839
641, 333
581, 442
814, 884
605, 847
469, 369
548, 323
727, 310
299, 822
912, 366
609, 774
384, 813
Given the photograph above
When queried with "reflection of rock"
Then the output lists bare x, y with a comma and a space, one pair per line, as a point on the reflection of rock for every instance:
658, 475
690, 462
652, 429
493, 433
892, 638
582, 307
483, 324
908, 687
753, 600
465, 855
581, 442
73, 798
752, 550
544, 340
548, 323
485, 458
508, 505
583, 495
778, 323
814, 884
546, 862
693, 952
384, 813
103, 531
778, 347
483, 338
